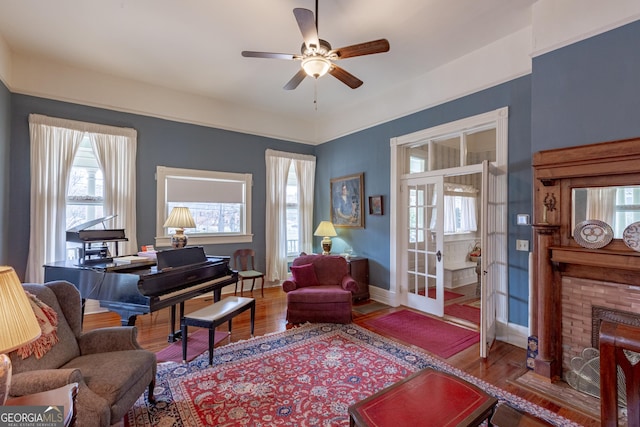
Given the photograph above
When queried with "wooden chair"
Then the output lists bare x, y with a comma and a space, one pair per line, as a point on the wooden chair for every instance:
244, 264
615, 340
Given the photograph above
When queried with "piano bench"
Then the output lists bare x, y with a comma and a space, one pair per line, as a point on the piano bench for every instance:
215, 315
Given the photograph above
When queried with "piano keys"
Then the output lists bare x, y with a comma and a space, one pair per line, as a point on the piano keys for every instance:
133, 289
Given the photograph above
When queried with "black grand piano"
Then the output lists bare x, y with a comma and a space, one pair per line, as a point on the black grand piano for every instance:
143, 287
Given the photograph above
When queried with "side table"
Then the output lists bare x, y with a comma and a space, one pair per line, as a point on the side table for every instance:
64, 396
427, 396
359, 270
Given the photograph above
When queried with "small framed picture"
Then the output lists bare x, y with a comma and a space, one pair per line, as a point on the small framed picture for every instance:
375, 205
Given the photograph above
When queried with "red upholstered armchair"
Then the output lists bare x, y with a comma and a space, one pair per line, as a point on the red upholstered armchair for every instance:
320, 290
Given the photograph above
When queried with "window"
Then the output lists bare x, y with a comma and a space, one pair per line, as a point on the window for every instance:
460, 214
85, 192
220, 203
463, 148
55, 151
293, 230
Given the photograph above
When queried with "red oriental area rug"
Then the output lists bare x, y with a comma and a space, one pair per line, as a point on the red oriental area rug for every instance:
435, 336
306, 376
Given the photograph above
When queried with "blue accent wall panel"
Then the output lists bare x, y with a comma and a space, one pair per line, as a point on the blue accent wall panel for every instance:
160, 142
588, 92
5, 120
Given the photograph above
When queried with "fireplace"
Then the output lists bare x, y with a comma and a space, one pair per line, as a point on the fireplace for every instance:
569, 279
585, 304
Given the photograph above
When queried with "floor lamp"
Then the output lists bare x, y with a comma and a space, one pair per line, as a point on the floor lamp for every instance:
18, 324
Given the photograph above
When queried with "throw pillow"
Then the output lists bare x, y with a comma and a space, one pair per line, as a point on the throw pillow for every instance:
48, 320
304, 275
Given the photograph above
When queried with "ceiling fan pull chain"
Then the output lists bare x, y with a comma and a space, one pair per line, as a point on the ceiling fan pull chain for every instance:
315, 94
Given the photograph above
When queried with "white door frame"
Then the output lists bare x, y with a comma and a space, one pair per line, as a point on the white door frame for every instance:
497, 119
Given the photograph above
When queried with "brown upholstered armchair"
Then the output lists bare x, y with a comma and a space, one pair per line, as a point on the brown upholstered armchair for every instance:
321, 290
110, 367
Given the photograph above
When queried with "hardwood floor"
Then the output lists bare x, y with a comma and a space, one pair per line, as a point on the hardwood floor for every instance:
505, 364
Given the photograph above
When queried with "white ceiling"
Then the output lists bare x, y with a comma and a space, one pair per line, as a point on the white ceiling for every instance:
194, 46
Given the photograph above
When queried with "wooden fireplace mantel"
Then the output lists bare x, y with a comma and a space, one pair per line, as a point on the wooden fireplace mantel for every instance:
555, 252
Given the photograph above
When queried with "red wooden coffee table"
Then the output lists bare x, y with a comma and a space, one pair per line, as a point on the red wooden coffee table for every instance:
425, 398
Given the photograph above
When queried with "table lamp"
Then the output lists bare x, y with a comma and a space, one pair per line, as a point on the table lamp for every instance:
326, 230
180, 218
18, 324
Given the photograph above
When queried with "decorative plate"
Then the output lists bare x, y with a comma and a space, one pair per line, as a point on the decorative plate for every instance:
593, 234
631, 236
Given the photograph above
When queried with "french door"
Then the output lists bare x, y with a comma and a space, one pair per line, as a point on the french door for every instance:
490, 265
423, 243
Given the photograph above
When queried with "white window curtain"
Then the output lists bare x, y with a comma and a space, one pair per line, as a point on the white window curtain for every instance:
466, 197
601, 204
278, 164
54, 143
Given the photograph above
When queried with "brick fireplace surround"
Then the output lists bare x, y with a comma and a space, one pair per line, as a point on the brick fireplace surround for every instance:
579, 296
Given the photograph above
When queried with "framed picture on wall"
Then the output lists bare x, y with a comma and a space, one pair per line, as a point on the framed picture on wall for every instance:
375, 205
347, 200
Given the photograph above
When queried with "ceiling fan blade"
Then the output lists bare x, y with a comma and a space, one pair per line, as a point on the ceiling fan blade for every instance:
307, 27
251, 54
345, 77
368, 48
295, 80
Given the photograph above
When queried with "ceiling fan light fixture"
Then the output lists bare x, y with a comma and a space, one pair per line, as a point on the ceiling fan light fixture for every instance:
316, 66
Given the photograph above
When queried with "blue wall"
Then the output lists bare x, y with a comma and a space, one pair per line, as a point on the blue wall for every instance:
588, 92
5, 115
160, 142
369, 151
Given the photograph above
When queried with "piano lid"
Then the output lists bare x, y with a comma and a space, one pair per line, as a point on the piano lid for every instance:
176, 258
89, 224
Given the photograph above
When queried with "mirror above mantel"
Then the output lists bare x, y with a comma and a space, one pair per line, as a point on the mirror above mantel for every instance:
618, 206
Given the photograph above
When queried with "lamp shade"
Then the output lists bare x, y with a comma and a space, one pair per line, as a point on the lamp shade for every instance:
316, 66
18, 323
180, 217
325, 229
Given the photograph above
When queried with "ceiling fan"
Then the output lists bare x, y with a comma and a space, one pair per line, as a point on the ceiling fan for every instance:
317, 56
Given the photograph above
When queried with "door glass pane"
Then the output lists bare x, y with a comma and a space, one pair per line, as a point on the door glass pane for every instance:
432, 287
421, 248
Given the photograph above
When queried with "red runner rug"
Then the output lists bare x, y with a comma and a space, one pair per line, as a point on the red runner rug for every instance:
448, 295
465, 312
197, 343
305, 376
435, 336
